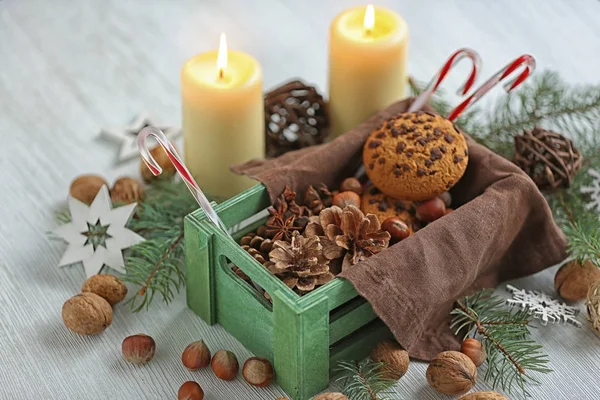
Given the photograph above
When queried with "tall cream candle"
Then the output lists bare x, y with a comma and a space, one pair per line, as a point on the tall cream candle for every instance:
223, 118
368, 51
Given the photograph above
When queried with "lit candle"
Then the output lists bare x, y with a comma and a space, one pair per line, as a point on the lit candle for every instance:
223, 117
368, 51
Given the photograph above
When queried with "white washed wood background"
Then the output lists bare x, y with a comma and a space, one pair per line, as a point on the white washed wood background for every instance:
68, 68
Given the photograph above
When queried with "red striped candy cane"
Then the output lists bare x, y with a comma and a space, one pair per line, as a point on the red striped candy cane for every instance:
454, 59
179, 166
525, 60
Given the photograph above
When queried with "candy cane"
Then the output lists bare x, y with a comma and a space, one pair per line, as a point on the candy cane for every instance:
524, 60
180, 167
454, 59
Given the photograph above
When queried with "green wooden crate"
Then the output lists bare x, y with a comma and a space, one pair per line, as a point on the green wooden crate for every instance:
304, 337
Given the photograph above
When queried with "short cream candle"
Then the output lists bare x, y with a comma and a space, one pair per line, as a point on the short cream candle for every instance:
223, 118
368, 51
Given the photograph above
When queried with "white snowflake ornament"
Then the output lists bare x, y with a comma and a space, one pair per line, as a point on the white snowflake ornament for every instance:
543, 307
594, 191
97, 234
127, 135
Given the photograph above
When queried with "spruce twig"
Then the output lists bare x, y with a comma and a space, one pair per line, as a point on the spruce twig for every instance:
362, 380
512, 354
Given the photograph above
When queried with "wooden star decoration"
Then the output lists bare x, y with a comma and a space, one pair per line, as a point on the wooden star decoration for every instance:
126, 135
97, 234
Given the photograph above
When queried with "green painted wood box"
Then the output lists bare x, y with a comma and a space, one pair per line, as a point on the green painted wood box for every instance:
304, 337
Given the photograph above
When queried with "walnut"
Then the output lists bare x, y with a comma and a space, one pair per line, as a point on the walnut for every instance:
161, 157
394, 358
109, 287
87, 314
330, 396
127, 190
483, 396
85, 187
572, 280
452, 373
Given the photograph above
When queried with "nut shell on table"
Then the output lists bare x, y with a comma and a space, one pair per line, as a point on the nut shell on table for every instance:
483, 396
85, 187
415, 156
394, 358
451, 373
87, 314
473, 349
109, 287
138, 349
190, 390
127, 191
196, 355
225, 365
258, 371
331, 396
573, 280
161, 157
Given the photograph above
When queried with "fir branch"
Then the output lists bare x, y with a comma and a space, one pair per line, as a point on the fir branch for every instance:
505, 335
363, 380
156, 265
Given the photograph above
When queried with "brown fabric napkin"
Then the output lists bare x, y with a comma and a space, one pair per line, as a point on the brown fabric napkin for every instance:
502, 230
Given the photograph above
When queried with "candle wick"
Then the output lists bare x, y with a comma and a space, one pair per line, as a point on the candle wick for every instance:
220, 73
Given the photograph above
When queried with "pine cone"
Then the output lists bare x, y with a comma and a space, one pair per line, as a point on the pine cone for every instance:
325, 194
355, 235
300, 264
549, 158
313, 201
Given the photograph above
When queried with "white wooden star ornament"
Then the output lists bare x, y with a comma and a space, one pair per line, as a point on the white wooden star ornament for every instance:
97, 234
127, 135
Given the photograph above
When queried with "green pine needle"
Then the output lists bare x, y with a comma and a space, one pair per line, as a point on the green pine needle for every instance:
511, 353
363, 380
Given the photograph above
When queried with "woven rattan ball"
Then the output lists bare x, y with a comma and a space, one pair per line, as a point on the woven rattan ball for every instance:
549, 158
295, 117
593, 306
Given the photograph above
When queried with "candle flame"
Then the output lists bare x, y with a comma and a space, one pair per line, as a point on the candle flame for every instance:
222, 55
369, 20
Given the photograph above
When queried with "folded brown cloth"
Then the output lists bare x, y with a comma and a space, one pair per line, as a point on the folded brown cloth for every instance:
502, 230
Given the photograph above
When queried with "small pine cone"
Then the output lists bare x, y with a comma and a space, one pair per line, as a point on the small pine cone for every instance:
262, 231
313, 201
325, 194
256, 255
241, 273
261, 244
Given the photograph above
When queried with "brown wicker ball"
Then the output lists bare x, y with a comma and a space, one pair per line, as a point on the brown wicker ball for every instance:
549, 158
295, 117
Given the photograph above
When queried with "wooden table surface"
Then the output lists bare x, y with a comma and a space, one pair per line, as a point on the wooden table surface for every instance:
69, 68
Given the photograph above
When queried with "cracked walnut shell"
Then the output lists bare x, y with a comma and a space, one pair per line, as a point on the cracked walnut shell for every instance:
127, 191
87, 314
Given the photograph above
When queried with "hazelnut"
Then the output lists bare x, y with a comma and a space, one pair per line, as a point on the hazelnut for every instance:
85, 187
344, 199
109, 287
138, 349
190, 390
452, 373
446, 197
331, 396
126, 191
431, 210
448, 210
473, 349
225, 365
161, 157
351, 185
393, 357
397, 228
572, 280
258, 371
483, 396
196, 355
87, 314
